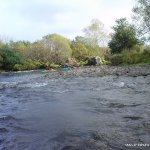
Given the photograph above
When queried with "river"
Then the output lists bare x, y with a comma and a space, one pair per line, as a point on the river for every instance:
75, 113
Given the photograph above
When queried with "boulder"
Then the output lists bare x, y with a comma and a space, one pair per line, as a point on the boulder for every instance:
92, 61
98, 60
71, 62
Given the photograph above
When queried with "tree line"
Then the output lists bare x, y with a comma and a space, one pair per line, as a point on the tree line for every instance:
125, 45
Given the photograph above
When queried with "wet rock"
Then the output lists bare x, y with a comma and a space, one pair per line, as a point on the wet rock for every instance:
133, 117
72, 62
97, 137
98, 60
2, 140
70, 148
3, 130
91, 61
146, 125
8, 118
98, 71
116, 105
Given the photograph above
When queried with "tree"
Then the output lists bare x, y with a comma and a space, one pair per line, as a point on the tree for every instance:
38, 52
79, 51
142, 17
124, 36
95, 33
9, 57
21, 46
59, 47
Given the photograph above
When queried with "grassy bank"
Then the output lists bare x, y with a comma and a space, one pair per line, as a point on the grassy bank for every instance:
131, 57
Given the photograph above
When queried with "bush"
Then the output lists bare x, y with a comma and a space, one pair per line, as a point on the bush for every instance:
147, 50
138, 48
116, 59
58, 46
79, 51
54, 66
127, 57
9, 57
82, 63
28, 65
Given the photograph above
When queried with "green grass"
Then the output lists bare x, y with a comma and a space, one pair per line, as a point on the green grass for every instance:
127, 57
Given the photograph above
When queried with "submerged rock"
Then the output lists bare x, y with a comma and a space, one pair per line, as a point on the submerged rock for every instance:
70, 148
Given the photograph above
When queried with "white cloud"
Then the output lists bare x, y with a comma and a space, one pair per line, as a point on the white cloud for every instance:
32, 19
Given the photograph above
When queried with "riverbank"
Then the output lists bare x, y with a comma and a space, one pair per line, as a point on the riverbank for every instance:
103, 70
96, 71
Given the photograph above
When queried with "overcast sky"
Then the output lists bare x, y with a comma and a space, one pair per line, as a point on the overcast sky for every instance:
32, 19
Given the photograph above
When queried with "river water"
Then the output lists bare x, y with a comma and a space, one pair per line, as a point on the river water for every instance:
39, 112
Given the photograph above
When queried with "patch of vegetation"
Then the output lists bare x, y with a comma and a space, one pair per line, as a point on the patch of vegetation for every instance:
9, 58
54, 50
127, 57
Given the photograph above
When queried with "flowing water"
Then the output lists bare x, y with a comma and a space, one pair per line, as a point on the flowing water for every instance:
39, 112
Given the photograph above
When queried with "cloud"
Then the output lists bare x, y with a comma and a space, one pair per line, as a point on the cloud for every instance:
32, 19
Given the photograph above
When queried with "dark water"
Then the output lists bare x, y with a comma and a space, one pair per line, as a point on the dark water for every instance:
103, 113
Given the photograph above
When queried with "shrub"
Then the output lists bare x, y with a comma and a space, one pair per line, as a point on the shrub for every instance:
9, 57
147, 50
28, 65
54, 66
127, 57
79, 51
116, 59
82, 63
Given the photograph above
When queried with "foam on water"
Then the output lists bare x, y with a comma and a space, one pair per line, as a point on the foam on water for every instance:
4, 85
33, 85
61, 91
119, 84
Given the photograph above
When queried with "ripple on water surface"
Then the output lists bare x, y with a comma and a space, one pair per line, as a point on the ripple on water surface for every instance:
37, 112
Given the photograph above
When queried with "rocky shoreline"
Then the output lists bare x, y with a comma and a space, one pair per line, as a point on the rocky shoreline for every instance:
103, 70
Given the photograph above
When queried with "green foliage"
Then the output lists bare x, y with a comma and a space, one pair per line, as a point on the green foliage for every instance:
58, 46
28, 65
142, 13
54, 66
82, 63
39, 52
116, 59
99, 51
9, 57
20, 45
54, 50
127, 57
95, 34
124, 36
79, 51
147, 50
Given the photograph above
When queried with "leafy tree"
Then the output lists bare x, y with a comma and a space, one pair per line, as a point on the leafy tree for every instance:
59, 47
9, 57
95, 33
80, 39
20, 45
124, 36
142, 17
38, 52
79, 51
